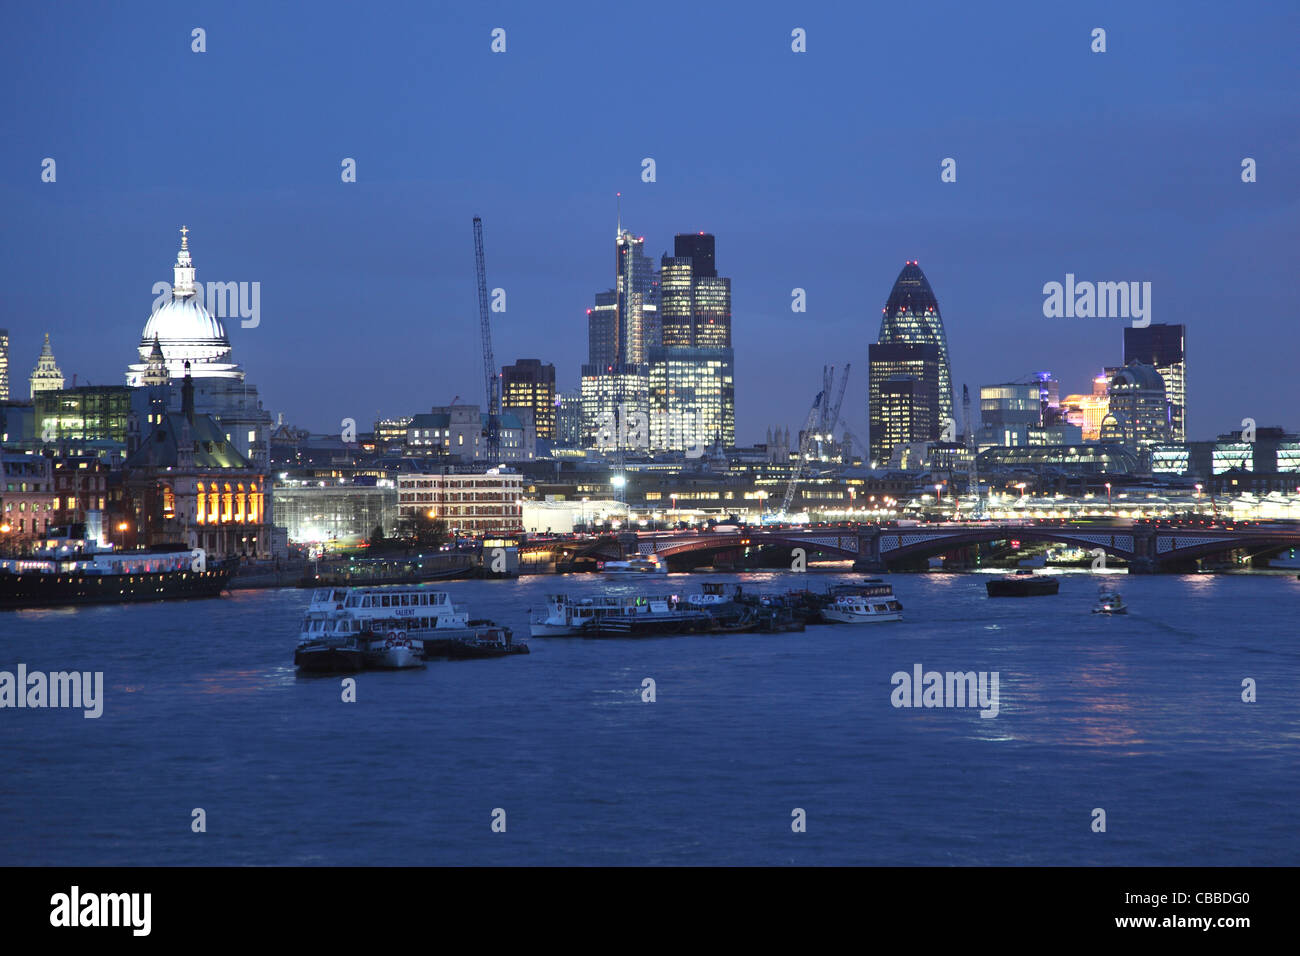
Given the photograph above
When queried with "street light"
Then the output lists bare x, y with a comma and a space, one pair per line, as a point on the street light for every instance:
1108, 495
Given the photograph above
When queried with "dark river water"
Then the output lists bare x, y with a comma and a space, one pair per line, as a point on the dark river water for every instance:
1140, 716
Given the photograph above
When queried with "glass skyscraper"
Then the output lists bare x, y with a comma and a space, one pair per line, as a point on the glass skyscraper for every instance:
890, 423
912, 316
692, 386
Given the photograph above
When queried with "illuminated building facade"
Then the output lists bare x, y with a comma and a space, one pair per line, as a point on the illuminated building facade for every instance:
1088, 411
530, 384
911, 315
1165, 348
905, 415
320, 511
1138, 409
46, 376
888, 364
489, 501
4, 365
692, 376
692, 399
188, 483
27, 499
83, 414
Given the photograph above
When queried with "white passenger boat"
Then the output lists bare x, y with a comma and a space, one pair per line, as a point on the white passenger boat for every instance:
871, 602
618, 615
389, 627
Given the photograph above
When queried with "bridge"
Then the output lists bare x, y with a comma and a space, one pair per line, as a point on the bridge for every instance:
1145, 547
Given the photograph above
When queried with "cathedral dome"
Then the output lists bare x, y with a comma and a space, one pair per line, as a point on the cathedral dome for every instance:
183, 321
185, 331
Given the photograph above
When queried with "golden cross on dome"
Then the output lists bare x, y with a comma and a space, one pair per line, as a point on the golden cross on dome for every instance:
185, 237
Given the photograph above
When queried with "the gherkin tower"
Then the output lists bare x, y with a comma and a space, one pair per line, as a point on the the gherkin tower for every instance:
912, 316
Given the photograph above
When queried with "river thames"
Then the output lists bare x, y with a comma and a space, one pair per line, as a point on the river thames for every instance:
1140, 716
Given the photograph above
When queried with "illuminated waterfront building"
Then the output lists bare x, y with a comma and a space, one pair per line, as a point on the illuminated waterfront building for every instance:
486, 501
188, 482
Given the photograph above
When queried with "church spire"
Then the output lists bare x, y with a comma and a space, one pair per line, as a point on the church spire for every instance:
183, 271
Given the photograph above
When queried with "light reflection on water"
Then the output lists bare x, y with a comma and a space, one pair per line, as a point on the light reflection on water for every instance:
204, 708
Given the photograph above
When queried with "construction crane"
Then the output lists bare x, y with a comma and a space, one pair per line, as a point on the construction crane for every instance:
805, 449
833, 416
489, 363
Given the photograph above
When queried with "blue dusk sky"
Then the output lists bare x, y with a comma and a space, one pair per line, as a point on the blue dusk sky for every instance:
818, 170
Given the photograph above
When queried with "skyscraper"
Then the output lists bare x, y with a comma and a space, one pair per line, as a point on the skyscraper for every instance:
904, 414
4, 365
889, 423
621, 326
912, 315
530, 384
692, 375
1165, 348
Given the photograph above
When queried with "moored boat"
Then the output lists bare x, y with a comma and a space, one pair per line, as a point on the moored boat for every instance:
393, 626
489, 642
618, 616
71, 567
1024, 583
871, 602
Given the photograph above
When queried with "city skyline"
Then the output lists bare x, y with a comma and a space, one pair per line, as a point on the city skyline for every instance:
353, 274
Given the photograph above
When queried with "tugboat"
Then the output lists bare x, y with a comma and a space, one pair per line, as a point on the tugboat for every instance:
1110, 602
74, 565
871, 602
1024, 583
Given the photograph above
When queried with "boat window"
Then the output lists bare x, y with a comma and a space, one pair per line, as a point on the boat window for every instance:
385, 600
406, 600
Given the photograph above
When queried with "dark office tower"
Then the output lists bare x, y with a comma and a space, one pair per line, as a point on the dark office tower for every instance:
918, 362
602, 330
905, 414
530, 384
695, 302
1165, 348
698, 247
912, 316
